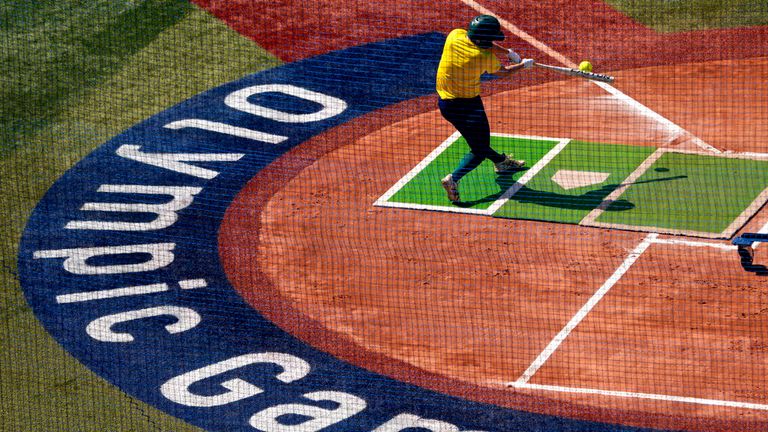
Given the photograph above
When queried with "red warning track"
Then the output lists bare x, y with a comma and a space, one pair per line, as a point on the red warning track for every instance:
576, 28
448, 303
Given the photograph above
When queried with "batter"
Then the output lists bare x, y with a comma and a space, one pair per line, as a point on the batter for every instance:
467, 55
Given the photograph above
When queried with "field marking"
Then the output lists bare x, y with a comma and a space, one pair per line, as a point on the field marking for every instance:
738, 222
523, 381
532, 172
383, 201
636, 395
763, 230
692, 243
446, 209
747, 155
658, 230
555, 343
727, 155
672, 128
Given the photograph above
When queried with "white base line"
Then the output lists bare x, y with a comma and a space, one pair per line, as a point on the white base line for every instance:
763, 230
690, 243
670, 126
751, 155
660, 397
446, 209
584, 311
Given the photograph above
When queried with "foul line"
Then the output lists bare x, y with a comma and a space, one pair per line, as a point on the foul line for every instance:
661, 397
517, 31
584, 311
675, 130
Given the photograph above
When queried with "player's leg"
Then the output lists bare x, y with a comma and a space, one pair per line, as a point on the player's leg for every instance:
477, 131
459, 112
479, 139
469, 118
469, 162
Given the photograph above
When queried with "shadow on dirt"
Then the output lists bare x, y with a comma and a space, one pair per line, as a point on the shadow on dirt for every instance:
587, 201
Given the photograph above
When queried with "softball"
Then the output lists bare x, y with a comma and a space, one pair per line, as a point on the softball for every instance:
585, 66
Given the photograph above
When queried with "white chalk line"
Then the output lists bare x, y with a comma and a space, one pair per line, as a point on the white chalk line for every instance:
763, 230
692, 243
446, 209
523, 381
672, 128
531, 173
555, 343
383, 201
636, 395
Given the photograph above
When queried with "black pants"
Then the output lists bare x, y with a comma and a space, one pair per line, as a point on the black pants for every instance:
469, 118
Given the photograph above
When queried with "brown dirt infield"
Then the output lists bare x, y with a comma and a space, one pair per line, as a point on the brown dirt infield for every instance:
463, 305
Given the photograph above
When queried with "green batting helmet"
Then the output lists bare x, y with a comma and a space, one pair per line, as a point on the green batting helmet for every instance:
484, 30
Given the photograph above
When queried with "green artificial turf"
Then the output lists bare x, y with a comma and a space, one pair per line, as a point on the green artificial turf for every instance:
694, 193
691, 192
481, 187
543, 199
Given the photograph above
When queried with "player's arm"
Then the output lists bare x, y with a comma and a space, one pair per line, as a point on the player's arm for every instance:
506, 70
516, 64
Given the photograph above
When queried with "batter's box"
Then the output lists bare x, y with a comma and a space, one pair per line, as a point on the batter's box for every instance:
627, 187
714, 196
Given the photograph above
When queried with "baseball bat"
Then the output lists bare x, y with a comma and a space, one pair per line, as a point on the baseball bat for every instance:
577, 73
569, 71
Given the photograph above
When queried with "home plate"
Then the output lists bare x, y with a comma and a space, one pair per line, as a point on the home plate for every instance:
568, 179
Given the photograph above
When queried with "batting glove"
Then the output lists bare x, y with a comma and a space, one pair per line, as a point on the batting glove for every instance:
527, 63
513, 56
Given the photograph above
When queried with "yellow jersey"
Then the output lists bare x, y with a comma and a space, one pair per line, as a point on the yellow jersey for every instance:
461, 65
